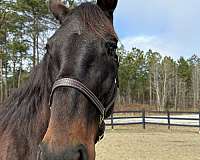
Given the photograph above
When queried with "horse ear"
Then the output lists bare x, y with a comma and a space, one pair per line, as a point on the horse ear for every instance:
58, 9
108, 6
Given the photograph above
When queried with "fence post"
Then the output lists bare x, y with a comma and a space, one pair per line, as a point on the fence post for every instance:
112, 125
168, 118
143, 119
199, 122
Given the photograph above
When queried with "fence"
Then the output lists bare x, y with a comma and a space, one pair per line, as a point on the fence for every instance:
184, 119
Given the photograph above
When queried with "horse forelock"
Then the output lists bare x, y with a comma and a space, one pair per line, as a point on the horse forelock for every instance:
95, 20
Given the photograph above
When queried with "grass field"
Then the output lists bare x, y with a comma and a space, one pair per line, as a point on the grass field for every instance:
154, 143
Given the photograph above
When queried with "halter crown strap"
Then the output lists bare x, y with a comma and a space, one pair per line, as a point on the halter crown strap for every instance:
68, 82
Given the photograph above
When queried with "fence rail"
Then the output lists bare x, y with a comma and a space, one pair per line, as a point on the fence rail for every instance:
167, 118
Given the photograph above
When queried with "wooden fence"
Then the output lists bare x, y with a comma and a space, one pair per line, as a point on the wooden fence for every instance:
150, 117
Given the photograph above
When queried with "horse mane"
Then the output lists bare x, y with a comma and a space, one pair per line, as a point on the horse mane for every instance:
23, 103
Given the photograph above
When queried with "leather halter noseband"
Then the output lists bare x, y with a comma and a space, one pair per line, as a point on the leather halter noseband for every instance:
72, 83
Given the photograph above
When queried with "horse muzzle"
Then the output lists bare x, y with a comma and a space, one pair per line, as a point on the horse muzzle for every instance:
77, 153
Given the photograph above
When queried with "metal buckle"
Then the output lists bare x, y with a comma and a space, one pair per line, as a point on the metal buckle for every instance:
102, 117
101, 120
101, 137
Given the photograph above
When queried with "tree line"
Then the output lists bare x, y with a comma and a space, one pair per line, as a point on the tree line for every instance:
145, 77
161, 81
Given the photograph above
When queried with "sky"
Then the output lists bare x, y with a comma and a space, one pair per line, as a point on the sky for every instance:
171, 27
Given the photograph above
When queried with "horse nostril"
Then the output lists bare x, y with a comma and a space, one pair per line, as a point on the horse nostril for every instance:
77, 156
82, 152
78, 153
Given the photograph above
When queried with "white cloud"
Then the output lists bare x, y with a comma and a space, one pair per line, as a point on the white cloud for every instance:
146, 42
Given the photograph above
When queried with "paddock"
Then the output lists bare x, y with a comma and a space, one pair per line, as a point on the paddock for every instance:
154, 143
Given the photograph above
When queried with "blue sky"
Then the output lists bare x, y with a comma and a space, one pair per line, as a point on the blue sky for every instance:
171, 27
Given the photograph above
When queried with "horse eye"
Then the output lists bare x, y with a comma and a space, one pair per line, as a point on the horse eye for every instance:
111, 48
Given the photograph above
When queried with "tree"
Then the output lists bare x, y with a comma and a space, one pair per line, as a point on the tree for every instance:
167, 80
153, 63
184, 76
35, 14
195, 63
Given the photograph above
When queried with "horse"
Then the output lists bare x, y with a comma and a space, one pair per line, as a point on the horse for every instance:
58, 114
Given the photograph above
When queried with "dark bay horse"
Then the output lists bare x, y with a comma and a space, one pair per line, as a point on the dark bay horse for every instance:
58, 113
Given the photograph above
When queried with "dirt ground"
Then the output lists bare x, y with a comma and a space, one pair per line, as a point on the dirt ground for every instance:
154, 143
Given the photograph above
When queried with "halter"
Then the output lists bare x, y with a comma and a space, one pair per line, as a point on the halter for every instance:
72, 83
